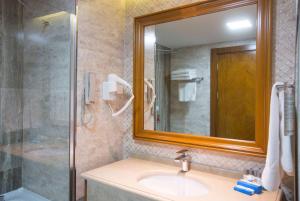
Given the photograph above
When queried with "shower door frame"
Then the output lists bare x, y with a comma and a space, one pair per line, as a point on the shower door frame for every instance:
73, 101
297, 83
72, 96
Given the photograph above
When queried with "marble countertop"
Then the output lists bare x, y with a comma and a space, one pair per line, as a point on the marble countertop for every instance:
126, 173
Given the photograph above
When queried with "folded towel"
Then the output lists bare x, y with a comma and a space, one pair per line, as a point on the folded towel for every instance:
183, 71
184, 74
190, 77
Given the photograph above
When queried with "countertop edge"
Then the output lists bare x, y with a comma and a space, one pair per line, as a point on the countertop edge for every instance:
90, 177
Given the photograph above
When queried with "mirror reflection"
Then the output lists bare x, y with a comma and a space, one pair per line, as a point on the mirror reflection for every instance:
200, 77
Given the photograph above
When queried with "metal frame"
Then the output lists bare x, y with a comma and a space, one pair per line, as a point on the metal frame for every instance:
285, 85
73, 102
297, 91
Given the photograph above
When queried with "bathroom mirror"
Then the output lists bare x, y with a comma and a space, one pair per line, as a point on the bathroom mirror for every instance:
202, 76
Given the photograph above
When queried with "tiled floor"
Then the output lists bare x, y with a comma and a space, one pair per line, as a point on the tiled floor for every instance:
23, 195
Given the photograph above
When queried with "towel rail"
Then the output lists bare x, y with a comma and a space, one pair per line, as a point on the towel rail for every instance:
289, 108
285, 85
197, 79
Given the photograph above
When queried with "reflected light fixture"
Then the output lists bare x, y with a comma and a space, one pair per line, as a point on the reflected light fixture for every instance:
150, 39
240, 24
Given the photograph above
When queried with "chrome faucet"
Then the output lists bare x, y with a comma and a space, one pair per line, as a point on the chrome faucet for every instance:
184, 159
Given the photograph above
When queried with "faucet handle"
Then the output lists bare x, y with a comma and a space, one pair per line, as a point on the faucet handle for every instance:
183, 151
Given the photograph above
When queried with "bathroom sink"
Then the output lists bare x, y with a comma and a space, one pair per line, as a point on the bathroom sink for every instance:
174, 185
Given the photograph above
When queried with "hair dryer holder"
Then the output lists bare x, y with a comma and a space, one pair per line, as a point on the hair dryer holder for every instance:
109, 90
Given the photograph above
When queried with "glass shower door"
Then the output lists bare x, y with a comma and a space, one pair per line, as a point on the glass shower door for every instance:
36, 93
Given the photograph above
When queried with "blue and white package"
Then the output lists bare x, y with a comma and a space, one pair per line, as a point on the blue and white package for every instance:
256, 187
244, 190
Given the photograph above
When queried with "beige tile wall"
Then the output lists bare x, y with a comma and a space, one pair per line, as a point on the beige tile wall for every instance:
106, 45
100, 50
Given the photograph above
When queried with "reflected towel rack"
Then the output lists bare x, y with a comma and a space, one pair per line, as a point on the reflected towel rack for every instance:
196, 79
285, 85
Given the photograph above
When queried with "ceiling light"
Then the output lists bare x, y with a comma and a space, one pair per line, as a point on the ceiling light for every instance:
241, 24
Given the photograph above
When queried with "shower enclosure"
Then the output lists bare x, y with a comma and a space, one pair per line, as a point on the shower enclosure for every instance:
37, 74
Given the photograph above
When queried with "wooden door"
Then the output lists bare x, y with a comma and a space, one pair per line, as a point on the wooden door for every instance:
233, 92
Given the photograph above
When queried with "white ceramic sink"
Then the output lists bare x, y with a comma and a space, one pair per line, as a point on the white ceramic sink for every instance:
174, 185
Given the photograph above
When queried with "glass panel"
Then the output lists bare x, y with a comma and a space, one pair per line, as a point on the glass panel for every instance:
35, 70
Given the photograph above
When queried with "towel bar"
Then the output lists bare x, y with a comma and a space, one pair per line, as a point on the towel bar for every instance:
197, 79
289, 108
285, 85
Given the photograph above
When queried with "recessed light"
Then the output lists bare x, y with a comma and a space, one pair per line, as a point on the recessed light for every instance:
240, 24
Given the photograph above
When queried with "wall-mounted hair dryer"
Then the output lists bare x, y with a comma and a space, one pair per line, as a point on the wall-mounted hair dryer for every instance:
109, 90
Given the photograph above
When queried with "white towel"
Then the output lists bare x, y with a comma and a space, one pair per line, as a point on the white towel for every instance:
272, 174
187, 91
183, 71
183, 77
279, 146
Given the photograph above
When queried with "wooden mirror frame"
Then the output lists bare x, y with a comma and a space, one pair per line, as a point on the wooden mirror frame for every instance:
263, 83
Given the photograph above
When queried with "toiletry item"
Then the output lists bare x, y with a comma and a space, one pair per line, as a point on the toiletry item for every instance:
245, 190
253, 175
257, 175
252, 185
249, 177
